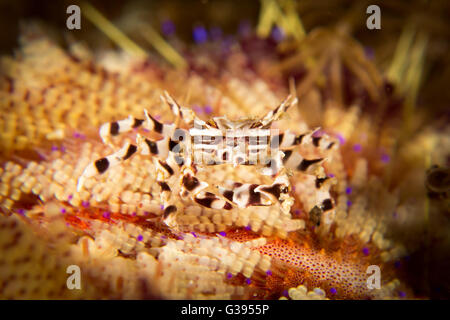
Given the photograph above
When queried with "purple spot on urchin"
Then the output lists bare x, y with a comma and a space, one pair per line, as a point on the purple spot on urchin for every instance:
269, 273
62, 210
21, 211
369, 53
67, 224
317, 133
146, 130
168, 28
194, 234
331, 175
365, 251
340, 138
285, 293
385, 158
248, 228
349, 203
333, 291
157, 117
63, 149
227, 43
161, 206
357, 147
245, 28
293, 188
402, 294
223, 234
163, 237
54, 148
297, 211
277, 34
146, 213
106, 215
70, 197
133, 214
395, 214
85, 204
79, 135
140, 237
197, 109
348, 190
208, 109
199, 34
248, 281
397, 264
229, 275
215, 33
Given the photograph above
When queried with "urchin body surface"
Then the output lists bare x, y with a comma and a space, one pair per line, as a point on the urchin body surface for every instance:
219, 141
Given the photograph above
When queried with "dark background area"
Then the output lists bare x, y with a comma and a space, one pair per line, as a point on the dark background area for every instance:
428, 16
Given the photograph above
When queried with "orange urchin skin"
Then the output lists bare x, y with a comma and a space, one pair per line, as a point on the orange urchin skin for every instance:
81, 218
299, 260
314, 268
341, 268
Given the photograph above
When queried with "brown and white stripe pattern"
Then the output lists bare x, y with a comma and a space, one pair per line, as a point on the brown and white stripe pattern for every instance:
101, 165
187, 115
293, 160
111, 129
288, 139
249, 194
211, 201
275, 114
218, 141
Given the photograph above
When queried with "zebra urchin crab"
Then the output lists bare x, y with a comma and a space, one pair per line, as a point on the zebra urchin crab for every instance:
220, 141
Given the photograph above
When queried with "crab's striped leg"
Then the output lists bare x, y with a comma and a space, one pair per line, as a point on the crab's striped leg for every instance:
144, 146
211, 201
245, 195
164, 171
314, 192
326, 203
115, 128
187, 115
195, 189
293, 160
103, 164
159, 148
275, 114
288, 140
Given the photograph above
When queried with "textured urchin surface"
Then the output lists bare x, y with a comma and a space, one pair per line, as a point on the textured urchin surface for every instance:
53, 102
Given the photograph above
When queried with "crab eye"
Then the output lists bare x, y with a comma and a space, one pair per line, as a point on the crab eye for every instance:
285, 190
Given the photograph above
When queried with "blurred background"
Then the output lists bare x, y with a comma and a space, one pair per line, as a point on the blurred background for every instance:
429, 18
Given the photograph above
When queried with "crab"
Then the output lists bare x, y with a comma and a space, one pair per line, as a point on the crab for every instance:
218, 141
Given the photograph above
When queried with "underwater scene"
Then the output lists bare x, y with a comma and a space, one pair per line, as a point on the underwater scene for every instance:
267, 149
